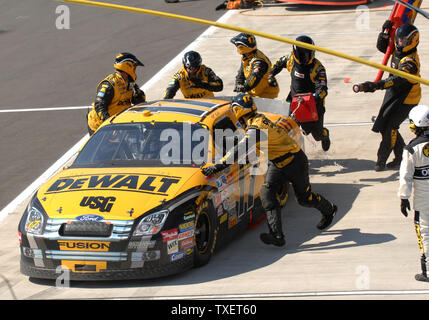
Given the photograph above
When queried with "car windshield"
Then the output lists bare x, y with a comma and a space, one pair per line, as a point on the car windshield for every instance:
145, 144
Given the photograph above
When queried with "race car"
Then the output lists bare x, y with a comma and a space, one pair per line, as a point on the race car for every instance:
134, 204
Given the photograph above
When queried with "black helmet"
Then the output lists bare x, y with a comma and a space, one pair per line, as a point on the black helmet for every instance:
127, 62
192, 60
302, 55
406, 38
244, 42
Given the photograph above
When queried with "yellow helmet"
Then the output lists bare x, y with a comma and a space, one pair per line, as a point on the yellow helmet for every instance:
127, 63
243, 104
406, 38
244, 42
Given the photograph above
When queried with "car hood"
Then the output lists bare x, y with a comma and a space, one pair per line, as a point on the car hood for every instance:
116, 194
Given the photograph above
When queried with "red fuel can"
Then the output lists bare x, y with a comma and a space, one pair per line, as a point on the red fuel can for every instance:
303, 108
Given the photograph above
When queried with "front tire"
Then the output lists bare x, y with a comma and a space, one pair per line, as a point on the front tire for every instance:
205, 233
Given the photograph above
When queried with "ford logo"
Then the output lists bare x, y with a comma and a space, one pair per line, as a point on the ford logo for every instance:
89, 217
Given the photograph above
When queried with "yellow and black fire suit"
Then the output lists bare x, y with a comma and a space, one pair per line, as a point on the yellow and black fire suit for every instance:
252, 76
114, 95
202, 85
400, 97
307, 78
287, 163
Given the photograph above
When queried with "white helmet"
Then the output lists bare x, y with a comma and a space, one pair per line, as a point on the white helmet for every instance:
419, 118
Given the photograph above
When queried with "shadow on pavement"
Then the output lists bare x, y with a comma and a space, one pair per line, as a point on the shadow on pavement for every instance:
247, 253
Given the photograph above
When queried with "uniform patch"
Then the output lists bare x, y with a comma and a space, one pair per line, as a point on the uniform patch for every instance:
426, 150
299, 75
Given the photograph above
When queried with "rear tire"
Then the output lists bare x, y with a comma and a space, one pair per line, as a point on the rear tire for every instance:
205, 233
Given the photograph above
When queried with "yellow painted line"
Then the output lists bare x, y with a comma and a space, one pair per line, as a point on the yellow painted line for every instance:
254, 32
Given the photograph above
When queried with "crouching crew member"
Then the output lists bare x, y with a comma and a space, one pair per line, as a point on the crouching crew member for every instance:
116, 92
194, 79
287, 163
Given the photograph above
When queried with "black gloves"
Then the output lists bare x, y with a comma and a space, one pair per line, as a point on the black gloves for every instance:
211, 170
198, 83
405, 204
272, 81
387, 25
370, 86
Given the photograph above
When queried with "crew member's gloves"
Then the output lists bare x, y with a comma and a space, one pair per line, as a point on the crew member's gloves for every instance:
405, 204
211, 170
272, 81
239, 88
369, 86
387, 25
198, 83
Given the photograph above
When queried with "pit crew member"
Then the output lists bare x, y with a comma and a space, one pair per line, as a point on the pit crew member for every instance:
287, 162
116, 92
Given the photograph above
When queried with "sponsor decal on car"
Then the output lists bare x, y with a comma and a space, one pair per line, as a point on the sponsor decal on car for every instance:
186, 243
221, 182
141, 244
83, 245
223, 218
186, 226
177, 256
135, 183
103, 204
89, 217
232, 220
145, 255
169, 235
172, 246
189, 215
186, 234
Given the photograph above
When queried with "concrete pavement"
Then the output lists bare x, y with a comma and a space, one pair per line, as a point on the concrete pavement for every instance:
369, 252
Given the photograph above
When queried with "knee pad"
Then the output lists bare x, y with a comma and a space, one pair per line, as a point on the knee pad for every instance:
268, 197
307, 199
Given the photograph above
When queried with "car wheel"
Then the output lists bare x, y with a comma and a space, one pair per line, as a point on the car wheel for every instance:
205, 233
283, 195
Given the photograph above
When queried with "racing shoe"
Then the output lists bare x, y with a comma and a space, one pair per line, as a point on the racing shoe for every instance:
326, 142
270, 238
394, 164
327, 218
380, 166
421, 277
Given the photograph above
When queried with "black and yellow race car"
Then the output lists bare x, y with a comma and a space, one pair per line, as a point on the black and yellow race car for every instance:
134, 204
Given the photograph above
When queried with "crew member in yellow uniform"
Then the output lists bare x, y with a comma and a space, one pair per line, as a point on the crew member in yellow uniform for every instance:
308, 75
401, 94
252, 77
116, 92
194, 80
287, 163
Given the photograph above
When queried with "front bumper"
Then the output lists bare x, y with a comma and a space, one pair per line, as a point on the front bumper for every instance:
118, 257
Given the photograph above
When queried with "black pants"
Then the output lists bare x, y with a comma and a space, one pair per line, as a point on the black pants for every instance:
296, 173
315, 128
391, 139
